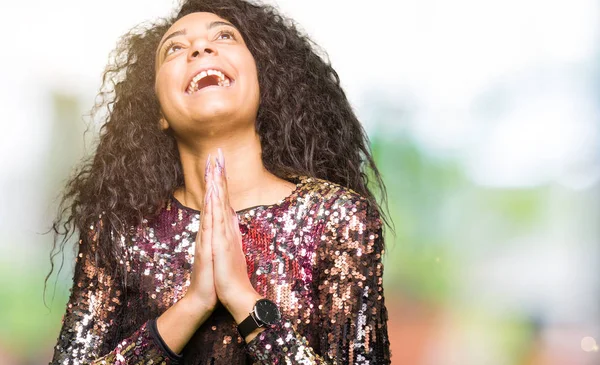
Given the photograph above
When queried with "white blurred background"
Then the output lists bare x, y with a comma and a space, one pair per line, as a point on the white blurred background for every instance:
484, 118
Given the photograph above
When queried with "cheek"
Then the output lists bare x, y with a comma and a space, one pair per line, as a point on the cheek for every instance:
252, 72
165, 87
252, 66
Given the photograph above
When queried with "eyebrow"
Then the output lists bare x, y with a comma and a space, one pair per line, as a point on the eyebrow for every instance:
174, 34
183, 31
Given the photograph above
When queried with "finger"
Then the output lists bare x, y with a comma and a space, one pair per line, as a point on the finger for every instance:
218, 215
207, 168
207, 178
235, 222
219, 165
207, 220
236, 227
222, 178
221, 160
207, 248
221, 182
206, 223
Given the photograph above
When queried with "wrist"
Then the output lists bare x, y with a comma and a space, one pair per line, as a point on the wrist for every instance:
253, 334
242, 305
197, 309
265, 314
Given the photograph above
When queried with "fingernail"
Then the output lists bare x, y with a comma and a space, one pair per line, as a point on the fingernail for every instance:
220, 161
208, 192
221, 157
215, 189
207, 169
218, 168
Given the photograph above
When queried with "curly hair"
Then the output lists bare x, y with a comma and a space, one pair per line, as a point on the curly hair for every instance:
305, 124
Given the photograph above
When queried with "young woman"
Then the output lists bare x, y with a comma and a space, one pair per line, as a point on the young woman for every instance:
225, 216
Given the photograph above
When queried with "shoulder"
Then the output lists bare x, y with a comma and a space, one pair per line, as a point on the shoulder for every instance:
349, 224
335, 201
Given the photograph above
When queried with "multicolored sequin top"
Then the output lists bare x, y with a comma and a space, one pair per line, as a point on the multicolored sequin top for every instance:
317, 254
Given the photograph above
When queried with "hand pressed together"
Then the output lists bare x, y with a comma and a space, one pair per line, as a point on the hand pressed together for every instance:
220, 270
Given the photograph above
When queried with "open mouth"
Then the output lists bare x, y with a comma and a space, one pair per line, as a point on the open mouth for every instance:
205, 78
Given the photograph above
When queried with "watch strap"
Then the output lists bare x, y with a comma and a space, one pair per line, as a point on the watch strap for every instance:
247, 326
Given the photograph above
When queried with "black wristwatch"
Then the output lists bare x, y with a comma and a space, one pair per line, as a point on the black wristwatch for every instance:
265, 313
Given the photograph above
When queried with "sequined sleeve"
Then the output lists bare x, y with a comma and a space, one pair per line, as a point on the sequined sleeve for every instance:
90, 326
351, 320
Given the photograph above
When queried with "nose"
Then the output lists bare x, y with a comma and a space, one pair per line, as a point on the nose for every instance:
201, 49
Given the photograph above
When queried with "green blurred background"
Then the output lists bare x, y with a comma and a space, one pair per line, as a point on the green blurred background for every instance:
484, 120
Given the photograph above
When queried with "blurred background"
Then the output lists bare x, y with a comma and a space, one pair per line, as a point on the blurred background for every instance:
484, 119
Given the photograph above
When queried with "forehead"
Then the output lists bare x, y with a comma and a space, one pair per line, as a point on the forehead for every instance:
193, 21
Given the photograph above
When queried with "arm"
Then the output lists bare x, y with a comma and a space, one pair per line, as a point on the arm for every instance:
351, 316
91, 322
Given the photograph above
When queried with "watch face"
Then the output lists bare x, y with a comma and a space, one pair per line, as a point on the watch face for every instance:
267, 312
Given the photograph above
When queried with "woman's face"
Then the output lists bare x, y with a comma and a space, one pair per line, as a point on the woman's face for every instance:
205, 76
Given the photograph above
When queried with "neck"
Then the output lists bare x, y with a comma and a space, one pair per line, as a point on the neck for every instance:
246, 175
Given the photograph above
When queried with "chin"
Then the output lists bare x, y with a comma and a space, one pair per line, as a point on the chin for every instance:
213, 111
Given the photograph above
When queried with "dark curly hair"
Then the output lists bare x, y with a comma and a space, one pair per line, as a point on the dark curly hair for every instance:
305, 124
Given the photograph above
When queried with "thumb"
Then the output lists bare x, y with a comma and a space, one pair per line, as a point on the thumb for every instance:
236, 223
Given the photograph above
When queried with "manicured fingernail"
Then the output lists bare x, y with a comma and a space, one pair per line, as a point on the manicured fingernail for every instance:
221, 157
218, 168
220, 161
215, 189
207, 168
208, 192
218, 164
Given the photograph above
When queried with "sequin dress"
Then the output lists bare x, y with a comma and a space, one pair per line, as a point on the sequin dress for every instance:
317, 254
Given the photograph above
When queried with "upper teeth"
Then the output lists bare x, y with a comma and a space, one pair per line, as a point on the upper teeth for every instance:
193, 86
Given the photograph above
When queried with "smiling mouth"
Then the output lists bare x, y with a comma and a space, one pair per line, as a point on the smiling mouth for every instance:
208, 78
